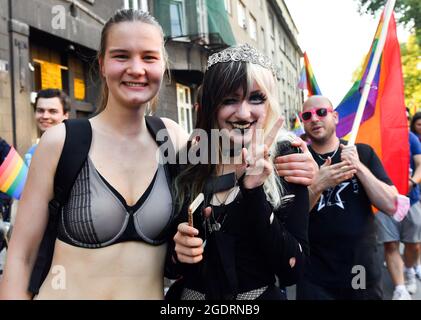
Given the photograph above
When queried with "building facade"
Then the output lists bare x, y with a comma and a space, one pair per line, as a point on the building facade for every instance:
47, 43
268, 26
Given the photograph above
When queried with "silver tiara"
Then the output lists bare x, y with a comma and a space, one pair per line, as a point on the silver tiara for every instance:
245, 53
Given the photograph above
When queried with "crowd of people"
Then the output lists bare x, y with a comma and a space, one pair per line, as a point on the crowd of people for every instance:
266, 220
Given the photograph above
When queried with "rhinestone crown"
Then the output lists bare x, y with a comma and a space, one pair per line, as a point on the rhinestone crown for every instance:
245, 53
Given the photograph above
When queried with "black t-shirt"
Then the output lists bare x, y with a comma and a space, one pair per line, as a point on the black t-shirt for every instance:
342, 232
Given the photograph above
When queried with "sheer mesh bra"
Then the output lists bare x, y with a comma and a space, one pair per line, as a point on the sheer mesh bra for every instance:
96, 215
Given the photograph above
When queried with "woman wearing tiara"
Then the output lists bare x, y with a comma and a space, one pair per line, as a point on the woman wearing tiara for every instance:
252, 226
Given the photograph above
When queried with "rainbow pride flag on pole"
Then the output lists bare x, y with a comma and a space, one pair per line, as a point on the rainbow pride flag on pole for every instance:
384, 125
307, 79
13, 173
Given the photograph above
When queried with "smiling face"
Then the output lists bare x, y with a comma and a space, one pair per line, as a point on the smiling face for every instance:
320, 129
49, 112
133, 64
239, 113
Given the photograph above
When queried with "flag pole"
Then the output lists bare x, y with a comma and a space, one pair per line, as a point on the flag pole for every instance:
376, 58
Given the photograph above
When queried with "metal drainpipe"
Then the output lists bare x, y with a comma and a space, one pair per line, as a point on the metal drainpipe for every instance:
12, 72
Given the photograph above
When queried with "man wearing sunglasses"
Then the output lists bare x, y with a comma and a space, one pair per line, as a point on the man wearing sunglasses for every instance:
344, 262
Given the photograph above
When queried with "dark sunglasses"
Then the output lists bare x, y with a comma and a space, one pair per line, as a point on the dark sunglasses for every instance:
320, 112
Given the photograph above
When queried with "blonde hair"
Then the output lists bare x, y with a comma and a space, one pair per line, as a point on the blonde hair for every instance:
265, 80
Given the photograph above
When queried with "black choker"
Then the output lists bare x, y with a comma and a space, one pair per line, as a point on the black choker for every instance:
220, 183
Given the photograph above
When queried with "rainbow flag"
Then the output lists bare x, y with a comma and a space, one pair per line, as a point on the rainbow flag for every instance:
13, 173
307, 79
384, 125
298, 127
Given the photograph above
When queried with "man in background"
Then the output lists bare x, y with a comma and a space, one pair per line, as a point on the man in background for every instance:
52, 106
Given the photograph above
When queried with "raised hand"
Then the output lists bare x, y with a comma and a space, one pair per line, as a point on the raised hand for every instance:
299, 168
256, 160
350, 154
330, 175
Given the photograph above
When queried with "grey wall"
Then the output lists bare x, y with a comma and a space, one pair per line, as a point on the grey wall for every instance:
5, 102
81, 29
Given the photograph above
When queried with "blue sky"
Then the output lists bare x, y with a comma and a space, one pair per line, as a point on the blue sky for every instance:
336, 38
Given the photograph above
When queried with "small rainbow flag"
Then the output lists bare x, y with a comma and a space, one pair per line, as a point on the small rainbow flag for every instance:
298, 127
384, 125
13, 173
307, 79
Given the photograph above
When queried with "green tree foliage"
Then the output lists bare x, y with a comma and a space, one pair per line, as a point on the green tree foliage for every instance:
411, 68
409, 12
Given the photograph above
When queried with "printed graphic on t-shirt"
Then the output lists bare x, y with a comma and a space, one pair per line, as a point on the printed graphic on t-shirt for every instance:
332, 196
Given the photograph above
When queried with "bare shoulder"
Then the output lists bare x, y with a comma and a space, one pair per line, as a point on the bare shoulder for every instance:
48, 151
53, 139
178, 135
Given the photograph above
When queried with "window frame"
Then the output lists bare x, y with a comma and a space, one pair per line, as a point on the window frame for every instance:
241, 8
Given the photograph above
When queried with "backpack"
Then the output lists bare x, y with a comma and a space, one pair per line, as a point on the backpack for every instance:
74, 154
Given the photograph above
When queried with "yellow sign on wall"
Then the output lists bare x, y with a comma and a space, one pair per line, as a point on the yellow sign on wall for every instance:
79, 86
51, 75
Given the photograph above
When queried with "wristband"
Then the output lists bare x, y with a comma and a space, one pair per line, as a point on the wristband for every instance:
402, 207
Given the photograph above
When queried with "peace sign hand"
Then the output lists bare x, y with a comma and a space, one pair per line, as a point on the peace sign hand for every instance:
256, 160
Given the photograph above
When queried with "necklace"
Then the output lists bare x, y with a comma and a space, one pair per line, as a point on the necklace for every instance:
331, 157
222, 203
217, 223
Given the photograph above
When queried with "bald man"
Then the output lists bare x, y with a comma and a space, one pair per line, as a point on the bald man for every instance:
344, 262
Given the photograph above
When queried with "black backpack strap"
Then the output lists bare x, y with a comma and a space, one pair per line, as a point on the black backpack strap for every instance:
75, 151
73, 156
154, 125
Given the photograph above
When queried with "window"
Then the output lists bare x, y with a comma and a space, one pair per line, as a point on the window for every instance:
48, 70
136, 4
184, 107
79, 83
263, 42
272, 35
272, 25
227, 4
202, 17
253, 28
242, 15
282, 71
177, 18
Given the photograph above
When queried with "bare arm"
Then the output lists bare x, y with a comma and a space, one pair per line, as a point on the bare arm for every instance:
381, 195
416, 177
32, 216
